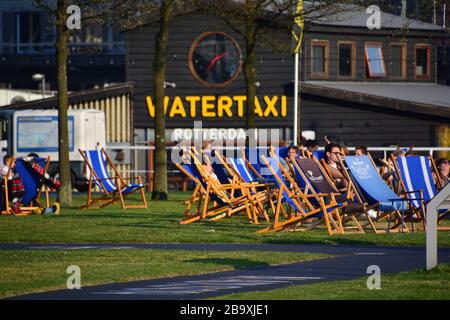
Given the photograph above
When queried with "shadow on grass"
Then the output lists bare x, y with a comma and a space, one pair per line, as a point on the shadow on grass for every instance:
111, 215
235, 263
329, 241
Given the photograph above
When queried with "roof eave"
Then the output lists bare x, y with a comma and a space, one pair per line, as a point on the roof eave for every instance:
376, 101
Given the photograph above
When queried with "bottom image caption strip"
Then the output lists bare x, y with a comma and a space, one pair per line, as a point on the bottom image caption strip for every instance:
227, 309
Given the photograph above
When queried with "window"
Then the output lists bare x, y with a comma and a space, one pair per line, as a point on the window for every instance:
398, 61
3, 129
28, 31
319, 59
347, 59
422, 61
374, 61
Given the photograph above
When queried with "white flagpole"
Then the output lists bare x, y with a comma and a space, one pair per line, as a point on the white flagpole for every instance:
296, 100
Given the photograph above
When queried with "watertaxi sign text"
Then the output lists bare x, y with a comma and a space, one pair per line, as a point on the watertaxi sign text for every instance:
221, 106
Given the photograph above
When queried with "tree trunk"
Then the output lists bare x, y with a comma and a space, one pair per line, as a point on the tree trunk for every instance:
442, 137
159, 77
65, 189
250, 79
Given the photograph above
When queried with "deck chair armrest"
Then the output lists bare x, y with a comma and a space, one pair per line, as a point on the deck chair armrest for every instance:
259, 185
314, 195
400, 199
325, 194
131, 178
239, 185
105, 179
414, 191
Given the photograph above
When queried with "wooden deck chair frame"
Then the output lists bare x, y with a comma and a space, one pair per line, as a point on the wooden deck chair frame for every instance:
345, 217
25, 210
194, 201
197, 198
210, 209
328, 218
110, 197
301, 201
258, 198
255, 200
200, 202
354, 191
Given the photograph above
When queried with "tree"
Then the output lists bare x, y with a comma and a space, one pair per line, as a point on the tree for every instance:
161, 12
65, 190
159, 78
94, 10
59, 14
255, 20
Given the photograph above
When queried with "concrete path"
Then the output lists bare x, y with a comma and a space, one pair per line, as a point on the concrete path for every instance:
350, 262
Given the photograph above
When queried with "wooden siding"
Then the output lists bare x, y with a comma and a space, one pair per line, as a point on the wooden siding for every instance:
274, 72
356, 123
362, 124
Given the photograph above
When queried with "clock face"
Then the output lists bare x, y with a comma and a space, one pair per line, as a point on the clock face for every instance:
215, 59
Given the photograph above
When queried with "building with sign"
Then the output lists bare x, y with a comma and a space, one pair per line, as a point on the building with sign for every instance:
374, 87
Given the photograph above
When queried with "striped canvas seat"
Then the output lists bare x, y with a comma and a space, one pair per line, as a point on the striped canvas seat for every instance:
281, 183
417, 180
102, 178
416, 175
97, 164
195, 175
240, 167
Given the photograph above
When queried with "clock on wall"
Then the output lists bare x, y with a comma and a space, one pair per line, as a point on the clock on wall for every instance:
215, 59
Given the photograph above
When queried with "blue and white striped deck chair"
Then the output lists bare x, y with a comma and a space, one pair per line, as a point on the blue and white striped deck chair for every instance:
239, 165
114, 188
373, 190
416, 181
253, 159
33, 186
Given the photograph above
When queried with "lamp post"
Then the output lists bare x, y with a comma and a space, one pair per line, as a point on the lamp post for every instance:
40, 77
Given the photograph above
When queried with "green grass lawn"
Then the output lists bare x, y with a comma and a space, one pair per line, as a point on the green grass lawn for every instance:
160, 223
422, 284
26, 271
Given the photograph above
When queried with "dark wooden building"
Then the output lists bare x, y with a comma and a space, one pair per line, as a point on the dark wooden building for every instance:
374, 87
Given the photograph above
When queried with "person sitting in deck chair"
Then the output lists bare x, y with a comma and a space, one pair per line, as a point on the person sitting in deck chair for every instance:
312, 145
332, 152
292, 153
16, 189
389, 174
443, 168
361, 150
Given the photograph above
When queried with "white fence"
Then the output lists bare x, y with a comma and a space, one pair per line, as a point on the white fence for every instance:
140, 154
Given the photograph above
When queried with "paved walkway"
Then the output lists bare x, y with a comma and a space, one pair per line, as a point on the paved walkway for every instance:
351, 262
